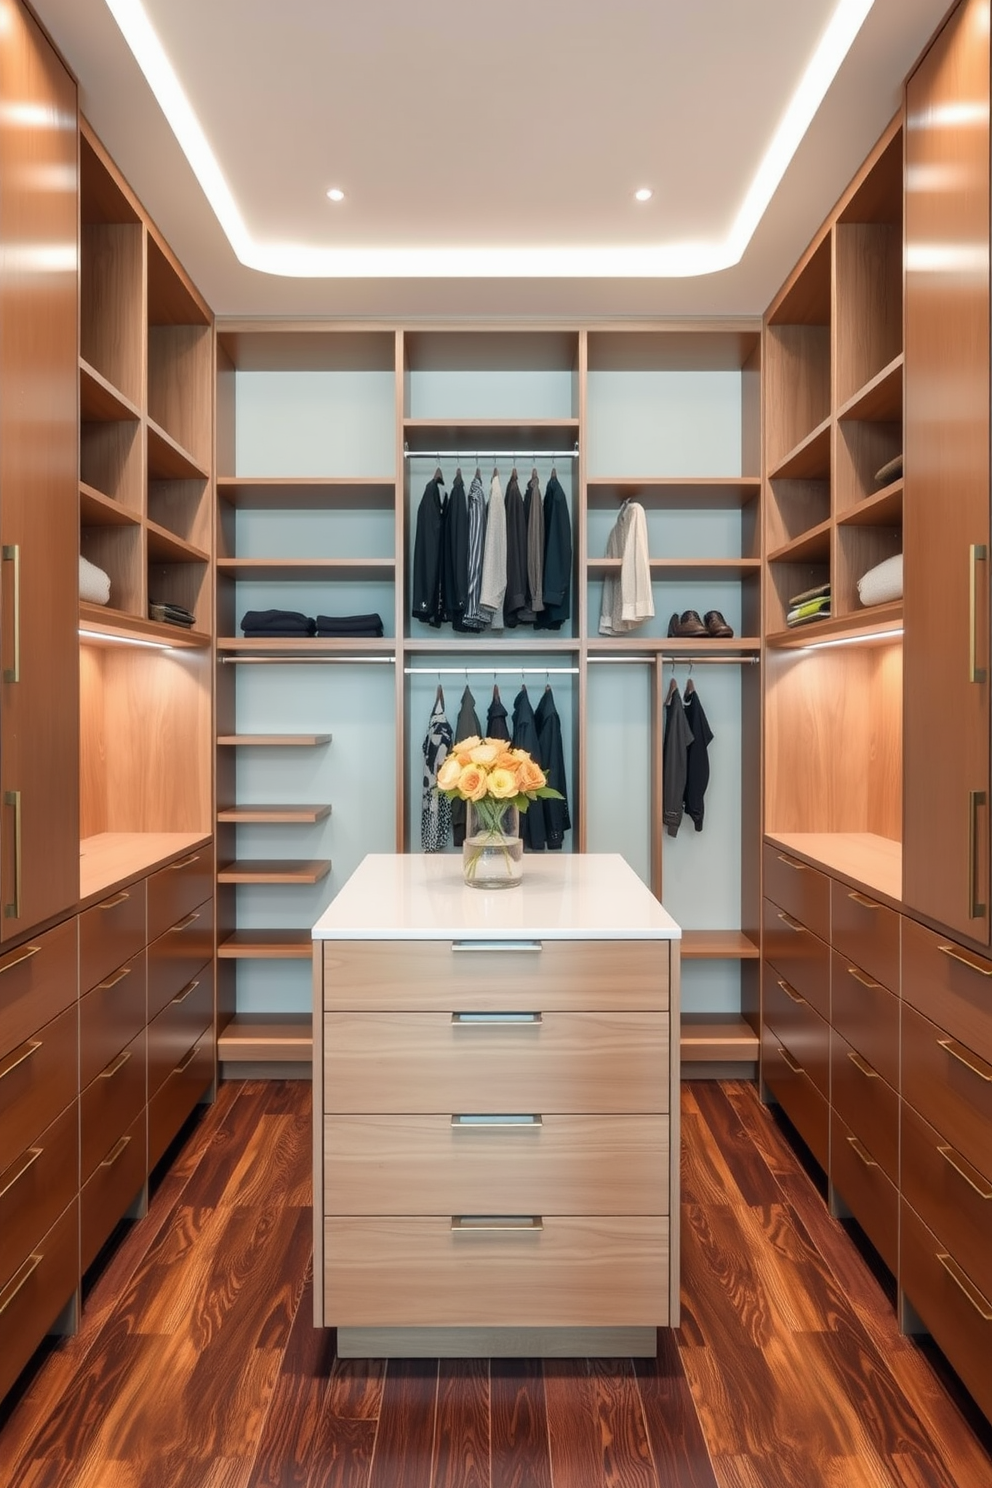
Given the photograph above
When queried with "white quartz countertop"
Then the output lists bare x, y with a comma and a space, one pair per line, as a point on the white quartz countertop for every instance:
563, 896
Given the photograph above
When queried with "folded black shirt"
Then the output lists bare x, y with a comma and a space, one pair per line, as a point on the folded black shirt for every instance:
277, 622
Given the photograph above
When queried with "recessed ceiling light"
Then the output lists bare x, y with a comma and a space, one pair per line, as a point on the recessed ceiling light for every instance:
335, 194
644, 194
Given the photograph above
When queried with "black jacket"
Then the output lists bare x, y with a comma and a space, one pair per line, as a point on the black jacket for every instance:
516, 554
428, 602
556, 816
697, 775
557, 577
532, 828
456, 554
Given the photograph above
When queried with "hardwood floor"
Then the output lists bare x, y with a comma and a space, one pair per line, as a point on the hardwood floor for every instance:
196, 1365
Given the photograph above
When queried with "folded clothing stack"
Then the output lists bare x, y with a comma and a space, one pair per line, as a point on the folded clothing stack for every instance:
349, 626
277, 623
94, 584
171, 614
882, 583
812, 604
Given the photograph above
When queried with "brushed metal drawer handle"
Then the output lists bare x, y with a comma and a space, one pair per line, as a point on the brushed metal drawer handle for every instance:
863, 900
496, 1224
492, 1123
32, 1155
965, 1171
792, 924
15, 1059
470, 1020
970, 1061
181, 1068
117, 899
982, 967
115, 1152
791, 863
112, 981
526, 946
182, 996
115, 1065
791, 992
978, 1302
862, 1152
184, 862
11, 553
862, 1065
20, 1280
24, 955
793, 1064
977, 553
12, 911
865, 981
183, 923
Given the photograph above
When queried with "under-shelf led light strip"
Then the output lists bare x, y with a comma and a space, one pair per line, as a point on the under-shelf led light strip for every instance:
102, 636
857, 640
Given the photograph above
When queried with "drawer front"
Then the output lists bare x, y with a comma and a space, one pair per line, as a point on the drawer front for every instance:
178, 1027
427, 1062
799, 1027
800, 890
866, 1015
950, 1086
948, 984
872, 1199
111, 933
37, 982
799, 1098
950, 1195
956, 1311
867, 1103
175, 891
36, 1187
37, 1292
176, 957
520, 1165
799, 956
187, 1083
524, 976
420, 1272
114, 1184
866, 932
111, 1102
110, 1016
37, 1081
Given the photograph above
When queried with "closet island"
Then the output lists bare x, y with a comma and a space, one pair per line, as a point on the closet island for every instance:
496, 1147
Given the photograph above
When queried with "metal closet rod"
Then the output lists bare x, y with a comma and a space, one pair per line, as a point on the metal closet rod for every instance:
650, 657
308, 660
485, 454
491, 671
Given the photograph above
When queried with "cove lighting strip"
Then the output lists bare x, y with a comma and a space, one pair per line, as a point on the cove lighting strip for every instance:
661, 261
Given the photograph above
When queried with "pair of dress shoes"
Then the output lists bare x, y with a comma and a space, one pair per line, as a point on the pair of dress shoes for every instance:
688, 624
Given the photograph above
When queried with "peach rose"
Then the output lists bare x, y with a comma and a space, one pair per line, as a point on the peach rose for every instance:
484, 754
473, 783
505, 761
530, 775
448, 775
502, 784
465, 746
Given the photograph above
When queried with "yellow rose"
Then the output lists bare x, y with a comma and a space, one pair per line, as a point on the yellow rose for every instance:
473, 783
484, 754
530, 776
447, 776
502, 784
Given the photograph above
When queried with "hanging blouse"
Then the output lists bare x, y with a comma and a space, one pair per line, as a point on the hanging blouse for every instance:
435, 810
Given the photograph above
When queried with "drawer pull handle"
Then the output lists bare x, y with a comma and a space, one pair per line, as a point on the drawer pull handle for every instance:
112, 981
181, 1068
491, 1123
967, 1172
20, 1280
469, 1020
31, 1157
527, 946
791, 863
862, 1065
115, 1152
183, 923
24, 955
865, 981
12, 911
791, 992
862, 1152
974, 1296
12, 554
13, 1060
793, 1064
495, 1224
117, 899
863, 900
182, 996
982, 967
977, 553
792, 924
184, 862
975, 799
970, 1061
115, 1065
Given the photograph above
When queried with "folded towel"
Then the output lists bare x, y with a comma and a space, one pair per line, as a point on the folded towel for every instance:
94, 584
881, 583
258, 622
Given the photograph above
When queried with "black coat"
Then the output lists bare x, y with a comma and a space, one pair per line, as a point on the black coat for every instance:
556, 817
532, 828
496, 719
428, 602
557, 578
515, 599
697, 773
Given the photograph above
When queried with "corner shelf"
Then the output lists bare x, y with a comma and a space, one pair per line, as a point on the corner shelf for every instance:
718, 945
876, 620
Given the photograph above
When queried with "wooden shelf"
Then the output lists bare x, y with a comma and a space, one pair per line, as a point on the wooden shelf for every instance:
461, 645
882, 509
718, 945
262, 1038
289, 815
167, 460
677, 645
698, 493
100, 402
274, 741
307, 645
526, 436
708, 569
876, 621
809, 547
313, 569
266, 945
880, 400
165, 547
274, 871
717, 1039
262, 493
98, 510
809, 460
100, 620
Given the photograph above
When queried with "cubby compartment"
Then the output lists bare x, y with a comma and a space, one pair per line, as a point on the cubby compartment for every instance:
111, 275
180, 346
868, 270
797, 364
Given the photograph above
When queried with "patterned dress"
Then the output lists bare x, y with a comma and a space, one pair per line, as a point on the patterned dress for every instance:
435, 811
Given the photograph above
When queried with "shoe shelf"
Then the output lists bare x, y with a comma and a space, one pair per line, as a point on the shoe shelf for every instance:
675, 645
266, 945
266, 1038
718, 945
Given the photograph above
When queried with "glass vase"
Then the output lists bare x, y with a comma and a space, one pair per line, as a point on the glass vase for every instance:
493, 851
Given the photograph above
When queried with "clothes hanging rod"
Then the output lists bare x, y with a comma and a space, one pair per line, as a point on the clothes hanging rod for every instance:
308, 660
650, 657
520, 453
491, 671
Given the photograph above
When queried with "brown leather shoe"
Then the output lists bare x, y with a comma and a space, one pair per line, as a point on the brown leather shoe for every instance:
689, 624
716, 625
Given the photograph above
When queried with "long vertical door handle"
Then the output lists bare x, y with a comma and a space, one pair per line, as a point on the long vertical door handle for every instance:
12, 554
975, 909
12, 910
978, 553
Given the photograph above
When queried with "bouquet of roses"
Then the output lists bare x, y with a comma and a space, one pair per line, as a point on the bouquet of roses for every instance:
493, 776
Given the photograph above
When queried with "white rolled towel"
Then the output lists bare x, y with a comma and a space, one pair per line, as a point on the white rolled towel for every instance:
94, 584
882, 583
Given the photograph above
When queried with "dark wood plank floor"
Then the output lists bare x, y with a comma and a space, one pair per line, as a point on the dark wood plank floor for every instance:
196, 1365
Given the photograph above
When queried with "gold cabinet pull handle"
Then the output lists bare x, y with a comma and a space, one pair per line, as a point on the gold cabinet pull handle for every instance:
496, 1123
863, 900
113, 902
12, 911
865, 981
978, 1302
183, 924
977, 553
792, 924
793, 1064
115, 1065
496, 1224
24, 955
12, 554
8, 1065
480, 1020
791, 992
964, 1170
976, 799
184, 862
862, 1065
791, 863
19, 1280
112, 981
984, 968
185, 1063
115, 1152
31, 1157
862, 1152
182, 996
970, 1061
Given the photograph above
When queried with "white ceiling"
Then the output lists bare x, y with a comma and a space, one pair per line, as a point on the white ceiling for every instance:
524, 125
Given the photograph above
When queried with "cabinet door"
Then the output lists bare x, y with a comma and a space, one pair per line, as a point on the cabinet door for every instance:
946, 495
39, 482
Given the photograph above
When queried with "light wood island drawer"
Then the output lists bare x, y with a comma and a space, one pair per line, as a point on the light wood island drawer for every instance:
520, 976
866, 932
799, 956
412, 1271
803, 892
950, 1195
37, 982
866, 1015
871, 1197
110, 933
948, 984
433, 1164
449, 1063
